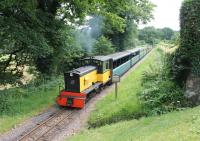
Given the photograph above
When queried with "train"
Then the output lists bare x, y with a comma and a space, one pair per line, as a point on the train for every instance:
96, 72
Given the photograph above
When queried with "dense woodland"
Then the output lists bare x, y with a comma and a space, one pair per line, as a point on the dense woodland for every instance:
47, 36
44, 35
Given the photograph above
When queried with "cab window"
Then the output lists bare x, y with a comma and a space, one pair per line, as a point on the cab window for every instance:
98, 64
105, 66
102, 66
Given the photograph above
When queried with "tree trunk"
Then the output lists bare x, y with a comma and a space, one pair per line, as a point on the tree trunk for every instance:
193, 89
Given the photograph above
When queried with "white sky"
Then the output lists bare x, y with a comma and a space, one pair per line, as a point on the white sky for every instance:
166, 14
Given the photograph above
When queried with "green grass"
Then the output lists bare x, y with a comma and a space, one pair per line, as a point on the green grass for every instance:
23, 103
175, 126
127, 106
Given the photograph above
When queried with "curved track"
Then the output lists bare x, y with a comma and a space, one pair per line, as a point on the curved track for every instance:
43, 128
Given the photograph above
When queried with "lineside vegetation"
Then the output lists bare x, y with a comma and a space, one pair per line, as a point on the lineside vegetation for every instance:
18, 104
149, 90
174, 126
127, 106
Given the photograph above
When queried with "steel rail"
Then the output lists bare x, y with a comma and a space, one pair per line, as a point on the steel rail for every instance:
28, 135
66, 117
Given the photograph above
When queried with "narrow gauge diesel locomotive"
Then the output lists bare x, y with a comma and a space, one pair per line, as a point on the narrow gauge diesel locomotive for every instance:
95, 73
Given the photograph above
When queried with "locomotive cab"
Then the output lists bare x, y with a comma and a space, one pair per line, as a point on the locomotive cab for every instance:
105, 69
104, 65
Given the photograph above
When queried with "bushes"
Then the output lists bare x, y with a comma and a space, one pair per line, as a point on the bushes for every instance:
160, 93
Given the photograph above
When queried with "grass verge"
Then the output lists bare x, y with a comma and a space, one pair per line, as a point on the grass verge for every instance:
174, 126
127, 106
19, 104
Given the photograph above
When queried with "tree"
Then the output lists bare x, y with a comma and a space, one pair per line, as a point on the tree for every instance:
130, 36
32, 30
31, 34
167, 33
176, 38
187, 57
103, 46
150, 35
122, 18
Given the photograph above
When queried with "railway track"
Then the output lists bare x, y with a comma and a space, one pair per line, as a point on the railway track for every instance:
42, 129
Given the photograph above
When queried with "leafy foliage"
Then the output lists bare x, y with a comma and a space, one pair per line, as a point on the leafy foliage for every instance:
12, 99
151, 35
187, 57
103, 47
40, 33
161, 94
130, 36
32, 34
167, 33
122, 17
